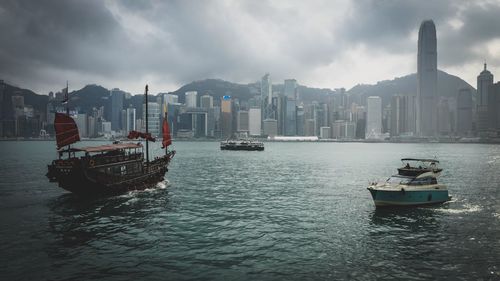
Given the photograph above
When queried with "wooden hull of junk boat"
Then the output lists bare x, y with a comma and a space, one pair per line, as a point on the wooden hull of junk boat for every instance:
88, 180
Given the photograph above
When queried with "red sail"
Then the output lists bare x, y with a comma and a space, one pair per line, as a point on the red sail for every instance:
135, 135
66, 130
167, 140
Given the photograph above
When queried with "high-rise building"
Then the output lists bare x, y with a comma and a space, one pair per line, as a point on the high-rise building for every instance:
242, 121
291, 89
266, 96
206, 101
117, 98
444, 117
226, 116
300, 121
81, 123
374, 117
191, 98
254, 121
464, 112
399, 115
427, 80
484, 81
281, 112
270, 127
494, 107
170, 98
291, 118
324, 132
153, 118
131, 119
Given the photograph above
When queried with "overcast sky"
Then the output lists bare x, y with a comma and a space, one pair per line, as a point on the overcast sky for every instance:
327, 44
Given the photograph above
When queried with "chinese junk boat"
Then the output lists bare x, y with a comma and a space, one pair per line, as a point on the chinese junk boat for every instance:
107, 169
415, 184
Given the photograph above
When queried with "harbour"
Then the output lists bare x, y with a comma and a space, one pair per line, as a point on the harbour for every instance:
296, 211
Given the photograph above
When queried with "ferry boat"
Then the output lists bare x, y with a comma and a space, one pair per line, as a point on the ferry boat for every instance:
415, 184
107, 169
249, 145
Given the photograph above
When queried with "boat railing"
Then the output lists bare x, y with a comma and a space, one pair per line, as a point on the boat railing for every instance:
104, 159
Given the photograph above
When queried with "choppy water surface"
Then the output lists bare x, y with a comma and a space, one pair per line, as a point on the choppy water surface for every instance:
296, 211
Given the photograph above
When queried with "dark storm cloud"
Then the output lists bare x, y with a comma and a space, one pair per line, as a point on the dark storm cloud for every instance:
387, 26
65, 34
175, 42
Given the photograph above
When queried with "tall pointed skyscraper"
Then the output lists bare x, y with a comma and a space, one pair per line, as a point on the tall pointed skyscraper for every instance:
427, 80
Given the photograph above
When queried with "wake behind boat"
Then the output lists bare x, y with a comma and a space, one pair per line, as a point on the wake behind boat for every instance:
415, 184
106, 169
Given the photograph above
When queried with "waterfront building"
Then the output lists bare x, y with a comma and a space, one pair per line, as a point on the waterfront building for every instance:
270, 127
105, 127
280, 112
170, 99
399, 115
374, 117
206, 101
494, 107
291, 118
444, 117
81, 123
191, 99
92, 126
266, 91
427, 80
242, 121
300, 120
226, 117
324, 132
117, 98
254, 121
153, 118
484, 81
310, 127
290, 89
464, 112
131, 120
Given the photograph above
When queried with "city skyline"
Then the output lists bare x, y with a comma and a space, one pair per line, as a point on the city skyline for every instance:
323, 44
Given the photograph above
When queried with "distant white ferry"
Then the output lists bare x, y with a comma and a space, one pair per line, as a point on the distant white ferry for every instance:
250, 145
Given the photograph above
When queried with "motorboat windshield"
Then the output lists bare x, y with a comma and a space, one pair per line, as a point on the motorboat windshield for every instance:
399, 180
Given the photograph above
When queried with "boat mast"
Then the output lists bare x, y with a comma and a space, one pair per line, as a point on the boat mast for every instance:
147, 143
66, 97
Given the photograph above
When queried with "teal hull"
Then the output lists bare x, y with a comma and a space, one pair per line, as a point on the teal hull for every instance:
408, 198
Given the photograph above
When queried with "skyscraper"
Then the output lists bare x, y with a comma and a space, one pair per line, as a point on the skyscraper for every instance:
291, 88
153, 118
427, 80
226, 116
206, 101
484, 81
399, 115
374, 117
117, 98
464, 112
254, 121
266, 96
131, 119
191, 98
